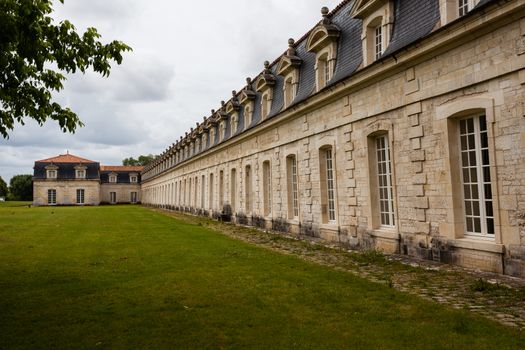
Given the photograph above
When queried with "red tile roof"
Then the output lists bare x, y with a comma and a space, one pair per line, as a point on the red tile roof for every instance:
121, 168
65, 158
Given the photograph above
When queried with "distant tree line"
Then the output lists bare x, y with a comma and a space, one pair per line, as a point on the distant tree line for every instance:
20, 188
141, 161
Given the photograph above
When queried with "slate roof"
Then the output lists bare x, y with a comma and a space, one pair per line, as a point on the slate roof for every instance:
126, 168
66, 171
122, 177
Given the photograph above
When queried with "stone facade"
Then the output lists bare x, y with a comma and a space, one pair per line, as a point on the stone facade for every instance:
317, 167
123, 193
66, 191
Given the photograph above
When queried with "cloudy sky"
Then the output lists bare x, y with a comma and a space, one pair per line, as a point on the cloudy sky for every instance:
186, 58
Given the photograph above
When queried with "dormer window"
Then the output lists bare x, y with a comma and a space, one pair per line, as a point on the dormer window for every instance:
323, 42
265, 87
204, 140
247, 116
463, 7
232, 108
246, 100
289, 68
378, 39
234, 123
80, 174
113, 178
289, 91
51, 172
265, 105
222, 131
212, 136
377, 16
450, 10
133, 178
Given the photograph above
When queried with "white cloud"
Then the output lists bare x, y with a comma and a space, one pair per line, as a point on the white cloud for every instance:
186, 58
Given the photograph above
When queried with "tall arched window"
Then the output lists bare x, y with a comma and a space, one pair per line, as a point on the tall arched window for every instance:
267, 188
233, 189
221, 189
327, 184
292, 187
248, 189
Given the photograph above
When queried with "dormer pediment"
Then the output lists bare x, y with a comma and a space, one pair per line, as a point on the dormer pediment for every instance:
363, 8
233, 104
289, 61
266, 79
51, 167
247, 94
288, 64
323, 34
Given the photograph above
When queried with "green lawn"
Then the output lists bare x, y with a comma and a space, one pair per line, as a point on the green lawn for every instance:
14, 204
128, 277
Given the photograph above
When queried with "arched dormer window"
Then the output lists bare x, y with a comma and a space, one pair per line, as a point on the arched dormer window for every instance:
204, 139
222, 130
450, 10
377, 16
288, 67
247, 116
246, 100
212, 135
265, 85
266, 104
234, 123
232, 108
323, 42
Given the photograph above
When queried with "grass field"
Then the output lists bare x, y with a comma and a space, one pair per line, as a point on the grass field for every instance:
128, 277
14, 204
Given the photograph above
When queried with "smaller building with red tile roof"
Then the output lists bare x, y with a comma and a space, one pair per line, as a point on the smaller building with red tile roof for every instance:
68, 179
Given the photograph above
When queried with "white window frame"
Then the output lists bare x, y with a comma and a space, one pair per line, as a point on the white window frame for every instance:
133, 179
80, 173
378, 41
330, 185
293, 194
267, 187
384, 182
248, 189
475, 166
81, 196
51, 174
113, 178
51, 196
233, 188
113, 197
133, 197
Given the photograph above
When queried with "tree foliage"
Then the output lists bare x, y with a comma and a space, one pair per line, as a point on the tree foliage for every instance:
21, 188
142, 160
30, 44
3, 188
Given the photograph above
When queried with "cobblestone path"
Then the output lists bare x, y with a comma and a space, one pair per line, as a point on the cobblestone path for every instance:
500, 298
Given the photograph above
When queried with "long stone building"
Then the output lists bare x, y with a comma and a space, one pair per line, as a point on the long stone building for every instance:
392, 124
